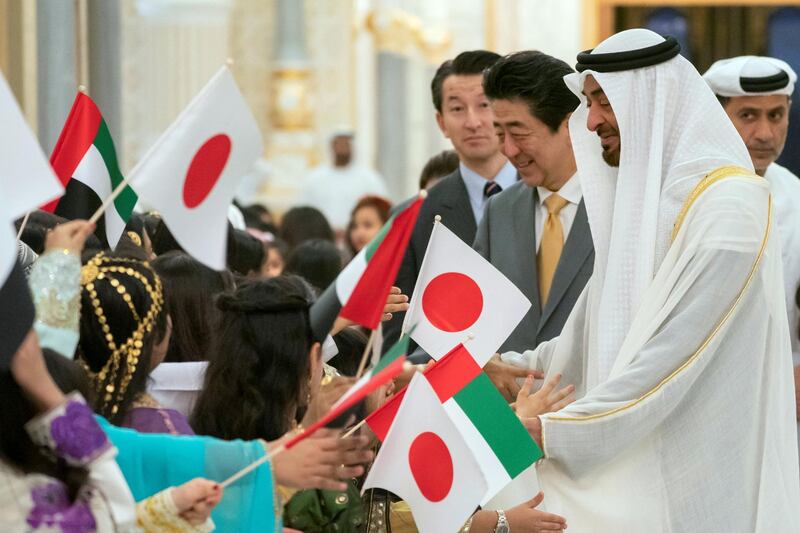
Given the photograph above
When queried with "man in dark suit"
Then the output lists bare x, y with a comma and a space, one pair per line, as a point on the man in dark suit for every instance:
536, 232
464, 116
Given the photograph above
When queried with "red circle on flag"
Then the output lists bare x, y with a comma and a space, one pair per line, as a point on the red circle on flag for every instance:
205, 169
440, 295
431, 465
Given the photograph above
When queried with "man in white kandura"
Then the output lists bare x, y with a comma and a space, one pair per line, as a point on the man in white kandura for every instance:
679, 346
756, 94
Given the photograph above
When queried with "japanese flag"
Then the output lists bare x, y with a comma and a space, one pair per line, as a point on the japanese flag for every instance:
460, 296
191, 173
425, 461
26, 178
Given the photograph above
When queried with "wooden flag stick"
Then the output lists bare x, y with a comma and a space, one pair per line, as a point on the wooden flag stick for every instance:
353, 429
252, 466
108, 201
24, 223
367, 348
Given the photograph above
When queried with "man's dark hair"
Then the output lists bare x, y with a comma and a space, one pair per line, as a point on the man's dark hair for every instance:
438, 166
536, 79
473, 62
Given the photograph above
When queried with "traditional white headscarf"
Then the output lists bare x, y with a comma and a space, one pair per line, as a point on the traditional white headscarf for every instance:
672, 133
751, 76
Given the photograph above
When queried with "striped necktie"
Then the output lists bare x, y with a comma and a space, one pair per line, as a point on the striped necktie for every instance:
491, 188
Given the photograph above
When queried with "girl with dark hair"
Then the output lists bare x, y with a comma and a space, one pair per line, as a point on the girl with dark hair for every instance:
317, 261
124, 334
366, 220
148, 460
266, 362
304, 223
189, 291
275, 254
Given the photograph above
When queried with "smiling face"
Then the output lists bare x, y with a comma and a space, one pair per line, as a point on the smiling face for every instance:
542, 157
602, 120
763, 122
466, 118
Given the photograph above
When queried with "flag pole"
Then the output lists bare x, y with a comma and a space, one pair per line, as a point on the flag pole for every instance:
108, 201
367, 348
23, 224
354, 429
252, 466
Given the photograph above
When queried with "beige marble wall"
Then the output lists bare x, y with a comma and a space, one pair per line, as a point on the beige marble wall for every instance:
170, 49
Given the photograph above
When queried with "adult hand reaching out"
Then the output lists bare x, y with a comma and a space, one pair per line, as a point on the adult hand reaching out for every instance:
545, 400
504, 376
525, 518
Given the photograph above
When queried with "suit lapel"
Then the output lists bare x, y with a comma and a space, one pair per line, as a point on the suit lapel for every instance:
523, 246
457, 211
576, 250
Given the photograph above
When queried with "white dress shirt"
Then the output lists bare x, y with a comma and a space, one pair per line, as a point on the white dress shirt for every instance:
475, 184
571, 192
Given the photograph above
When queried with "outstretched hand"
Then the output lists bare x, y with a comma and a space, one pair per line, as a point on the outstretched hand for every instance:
525, 517
322, 461
396, 302
545, 400
504, 376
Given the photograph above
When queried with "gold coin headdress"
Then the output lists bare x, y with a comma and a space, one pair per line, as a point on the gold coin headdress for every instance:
124, 353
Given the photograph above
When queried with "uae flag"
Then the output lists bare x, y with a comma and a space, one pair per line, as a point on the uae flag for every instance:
360, 291
425, 460
26, 179
503, 447
85, 161
390, 364
389, 367
460, 295
191, 173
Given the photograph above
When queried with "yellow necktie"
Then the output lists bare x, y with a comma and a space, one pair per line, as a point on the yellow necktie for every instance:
551, 245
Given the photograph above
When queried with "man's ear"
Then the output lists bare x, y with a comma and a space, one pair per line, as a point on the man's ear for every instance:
440, 123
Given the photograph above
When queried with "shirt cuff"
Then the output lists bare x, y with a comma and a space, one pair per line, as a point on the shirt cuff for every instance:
71, 432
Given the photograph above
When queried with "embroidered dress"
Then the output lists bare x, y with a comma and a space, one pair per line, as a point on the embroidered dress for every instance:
148, 416
36, 502
151, 463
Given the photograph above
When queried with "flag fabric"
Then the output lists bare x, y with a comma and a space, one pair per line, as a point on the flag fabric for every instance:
191, 173
364, 284
359, 292
85, 161
501, 444
458, 294
425, 460
8, 249
388, 368
26, 179
391, 363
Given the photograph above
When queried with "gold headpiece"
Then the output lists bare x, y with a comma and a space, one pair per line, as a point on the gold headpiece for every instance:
137, 240
97, 270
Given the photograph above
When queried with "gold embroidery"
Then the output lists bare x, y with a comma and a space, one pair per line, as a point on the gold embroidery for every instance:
714, 332
158, 514
710, 179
